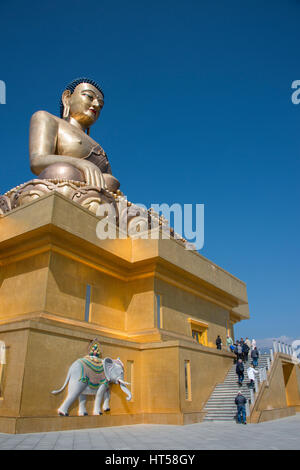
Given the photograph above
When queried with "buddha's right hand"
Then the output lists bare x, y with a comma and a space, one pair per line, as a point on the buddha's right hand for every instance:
92, 175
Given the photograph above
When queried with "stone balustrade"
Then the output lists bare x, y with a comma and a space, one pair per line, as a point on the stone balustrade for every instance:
284, 348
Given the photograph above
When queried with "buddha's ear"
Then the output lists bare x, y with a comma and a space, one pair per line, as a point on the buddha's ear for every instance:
66, 96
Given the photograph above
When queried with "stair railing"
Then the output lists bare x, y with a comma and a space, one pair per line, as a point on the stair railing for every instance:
262, 377
247, 408
279, 346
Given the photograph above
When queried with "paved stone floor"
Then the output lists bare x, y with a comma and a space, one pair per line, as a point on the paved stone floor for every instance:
280, 434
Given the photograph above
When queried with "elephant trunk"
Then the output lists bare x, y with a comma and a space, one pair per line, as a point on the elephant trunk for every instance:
126, 391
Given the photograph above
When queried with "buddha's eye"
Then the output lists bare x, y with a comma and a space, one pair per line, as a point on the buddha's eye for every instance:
90, 96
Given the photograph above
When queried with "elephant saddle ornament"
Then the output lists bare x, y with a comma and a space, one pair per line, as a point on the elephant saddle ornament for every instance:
92, 372
94, 350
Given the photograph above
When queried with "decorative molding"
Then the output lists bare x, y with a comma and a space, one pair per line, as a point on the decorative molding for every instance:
198, 323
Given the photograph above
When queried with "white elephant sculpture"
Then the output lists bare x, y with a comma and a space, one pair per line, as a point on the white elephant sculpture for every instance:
85, 377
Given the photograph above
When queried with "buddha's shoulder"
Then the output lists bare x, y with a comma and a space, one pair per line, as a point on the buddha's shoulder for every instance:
44, 116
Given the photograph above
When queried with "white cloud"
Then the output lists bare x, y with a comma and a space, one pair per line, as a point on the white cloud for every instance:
268, 342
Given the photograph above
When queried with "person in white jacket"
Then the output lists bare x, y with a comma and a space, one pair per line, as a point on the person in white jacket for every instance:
251, 375
253, 343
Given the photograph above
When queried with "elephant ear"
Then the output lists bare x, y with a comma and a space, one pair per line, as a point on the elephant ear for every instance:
113, 370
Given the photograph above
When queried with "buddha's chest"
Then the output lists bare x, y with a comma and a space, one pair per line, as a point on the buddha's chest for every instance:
74, 142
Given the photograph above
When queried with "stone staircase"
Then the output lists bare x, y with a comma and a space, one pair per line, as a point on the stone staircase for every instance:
220, 405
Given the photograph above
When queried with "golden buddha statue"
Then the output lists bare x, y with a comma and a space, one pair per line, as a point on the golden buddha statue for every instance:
62, 147
68, 161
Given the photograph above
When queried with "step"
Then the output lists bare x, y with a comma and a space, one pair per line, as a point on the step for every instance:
225, 397
232, 384
222, 396
221, 409
234, 381
231, 396
228, 404
222, 401
234, 374
212, 420
235, 378
231, 393
232, 390
229, 386
208, 420
216, 419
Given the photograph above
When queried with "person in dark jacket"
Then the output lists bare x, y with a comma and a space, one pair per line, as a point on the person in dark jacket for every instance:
219, 342
245, 349
255, 356
240, 402
240, 371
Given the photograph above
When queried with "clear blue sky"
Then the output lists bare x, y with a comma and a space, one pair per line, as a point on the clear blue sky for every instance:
197, 110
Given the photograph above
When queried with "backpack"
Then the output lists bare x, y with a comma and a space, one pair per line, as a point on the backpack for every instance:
239, 349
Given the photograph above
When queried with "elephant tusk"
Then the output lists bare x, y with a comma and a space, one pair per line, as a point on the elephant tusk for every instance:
123, 382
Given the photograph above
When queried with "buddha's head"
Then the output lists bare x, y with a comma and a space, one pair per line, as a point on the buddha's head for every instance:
82, 100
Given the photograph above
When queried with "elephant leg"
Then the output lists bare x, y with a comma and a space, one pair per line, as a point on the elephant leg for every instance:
82, 405
98, 400
106, 406
74, 390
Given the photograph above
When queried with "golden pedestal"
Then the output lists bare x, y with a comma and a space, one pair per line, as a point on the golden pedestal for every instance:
49, 255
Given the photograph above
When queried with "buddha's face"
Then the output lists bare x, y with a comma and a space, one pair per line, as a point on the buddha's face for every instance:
85, 104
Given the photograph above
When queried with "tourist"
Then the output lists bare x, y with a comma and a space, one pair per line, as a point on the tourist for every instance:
251, 376
255, 356
229, 342
219, 342
248, 342
240, 402
233, 348
245, 349
239, 351
240, 371
253, 344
